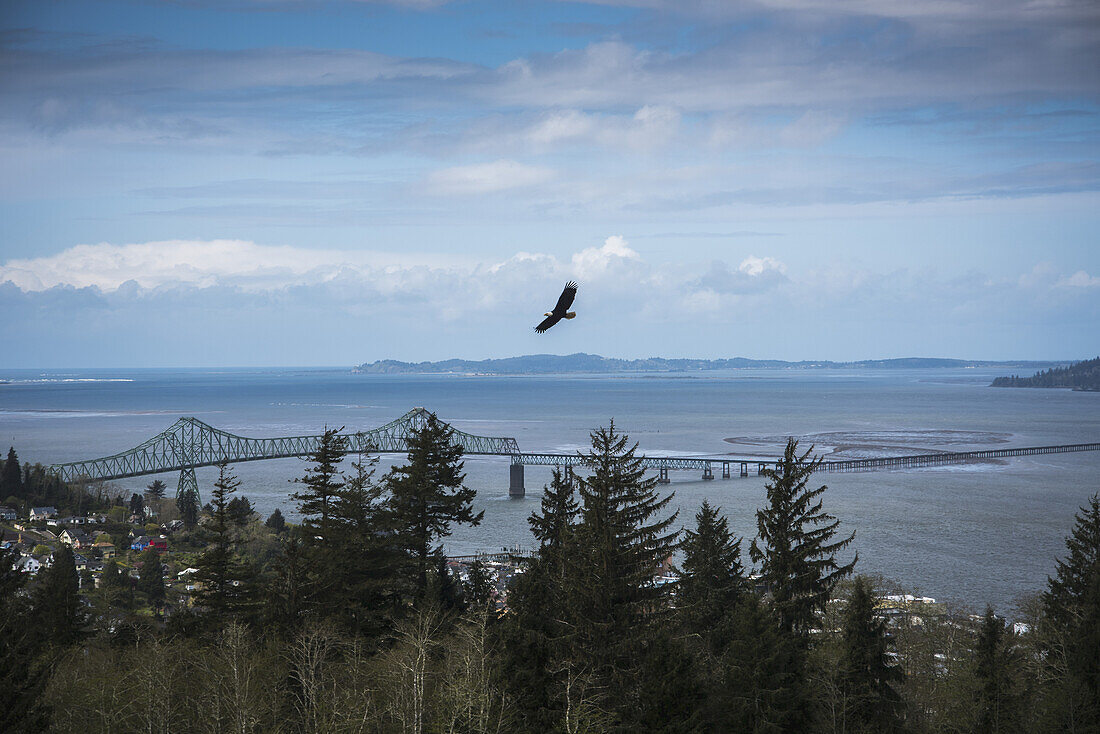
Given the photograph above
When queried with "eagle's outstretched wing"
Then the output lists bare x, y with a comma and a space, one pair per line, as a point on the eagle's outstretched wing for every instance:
547, 323
565, 300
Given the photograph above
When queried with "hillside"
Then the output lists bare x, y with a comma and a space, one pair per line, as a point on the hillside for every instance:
536, 364
1079, 376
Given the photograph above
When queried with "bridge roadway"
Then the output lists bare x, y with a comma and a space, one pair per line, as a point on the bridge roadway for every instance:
190, 443
707, 464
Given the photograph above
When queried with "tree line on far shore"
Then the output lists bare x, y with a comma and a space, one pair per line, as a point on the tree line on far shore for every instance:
353, 621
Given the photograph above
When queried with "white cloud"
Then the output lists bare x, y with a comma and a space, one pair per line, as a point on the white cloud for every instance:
596, 262
486, 178
1081, 279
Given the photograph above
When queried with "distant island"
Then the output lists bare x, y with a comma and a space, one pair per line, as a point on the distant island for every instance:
1079, 376
544, 364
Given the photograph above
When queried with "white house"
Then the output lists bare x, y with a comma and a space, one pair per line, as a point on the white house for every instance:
43, 513
7, 513
28, 564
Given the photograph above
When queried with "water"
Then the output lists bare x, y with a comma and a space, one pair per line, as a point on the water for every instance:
970, 534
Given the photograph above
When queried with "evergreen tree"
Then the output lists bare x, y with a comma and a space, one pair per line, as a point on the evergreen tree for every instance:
761, 687
444, 591
1070, 618
240, 511
361, 559
156, 490
427, 496
553, 525
58, 609
611, 604
479, 586
137, 504
795, 545
151, 579
868, 677
322, 481
996, 699
276, 521
188, 507
11, 478
22, 676
1068, 588
222, 578
712, 578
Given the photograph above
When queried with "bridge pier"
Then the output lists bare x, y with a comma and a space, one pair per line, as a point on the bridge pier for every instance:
744, 468
760, 469
189, 485
515, 481
725, 470
708, 474
662, 475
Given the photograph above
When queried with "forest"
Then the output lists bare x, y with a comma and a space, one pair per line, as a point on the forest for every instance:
1079, 376
354, 621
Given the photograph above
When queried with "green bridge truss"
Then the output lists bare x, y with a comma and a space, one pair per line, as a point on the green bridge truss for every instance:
189, 443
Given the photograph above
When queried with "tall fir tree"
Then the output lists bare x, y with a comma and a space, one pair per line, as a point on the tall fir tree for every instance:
795, 543
427, 496
361, 559
553, 525
996, 699
188, 507
11, 478
1071, 616
1071, 581
151, 578
156, 490
223, 580
869, 678
712, 578
322, 480
613, 606
58, 609
23, 676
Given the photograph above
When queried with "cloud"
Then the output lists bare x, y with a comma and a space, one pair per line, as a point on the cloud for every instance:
613, 258
753, 275
1081, 279
487, 178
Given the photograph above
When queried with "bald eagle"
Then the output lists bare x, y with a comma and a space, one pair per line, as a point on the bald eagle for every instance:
561, 311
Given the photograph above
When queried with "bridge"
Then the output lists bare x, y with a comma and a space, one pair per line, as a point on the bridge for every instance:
741, 466
190, 443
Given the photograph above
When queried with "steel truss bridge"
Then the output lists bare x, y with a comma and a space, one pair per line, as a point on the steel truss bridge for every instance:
190, 443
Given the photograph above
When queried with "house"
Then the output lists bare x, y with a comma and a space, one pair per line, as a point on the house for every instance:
75, 538
43, 513
28, 564
105, 549
72, 520
80, 562
7, 513
143, 542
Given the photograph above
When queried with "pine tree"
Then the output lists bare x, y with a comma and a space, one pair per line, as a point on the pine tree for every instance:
479, 586
1070, 584
22, 676
322, 481
868, 677
156, 490
427, 496
1070, 618
360, 557
189, 509
761, 687
553, 525
276, 521
58, 608
712, 578
795, 543
11, 478
612, 605
137, 504
996, 700
151, 578
223, 580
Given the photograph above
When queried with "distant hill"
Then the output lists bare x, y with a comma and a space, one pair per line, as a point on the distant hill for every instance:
545, 364
1080, 376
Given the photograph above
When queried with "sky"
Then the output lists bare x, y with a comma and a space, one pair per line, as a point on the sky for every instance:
301, 182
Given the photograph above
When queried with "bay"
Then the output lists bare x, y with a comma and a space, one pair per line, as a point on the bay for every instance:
971, 535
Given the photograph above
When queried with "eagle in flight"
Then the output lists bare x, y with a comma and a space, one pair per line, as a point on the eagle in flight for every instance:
561, 311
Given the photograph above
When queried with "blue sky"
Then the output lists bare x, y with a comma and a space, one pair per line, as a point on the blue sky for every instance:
265, 182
